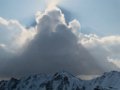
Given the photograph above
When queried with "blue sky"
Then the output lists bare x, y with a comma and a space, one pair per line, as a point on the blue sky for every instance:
100, 16
21, 10
96, 16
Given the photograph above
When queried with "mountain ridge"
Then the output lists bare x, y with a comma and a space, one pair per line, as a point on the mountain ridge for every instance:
63, 81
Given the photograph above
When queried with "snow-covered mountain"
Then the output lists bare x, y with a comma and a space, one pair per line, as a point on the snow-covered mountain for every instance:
63, 81
108, 81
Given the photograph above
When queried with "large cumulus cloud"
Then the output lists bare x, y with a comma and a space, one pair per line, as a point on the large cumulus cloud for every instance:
54, 45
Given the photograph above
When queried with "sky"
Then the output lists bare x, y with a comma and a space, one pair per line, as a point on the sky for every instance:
23, 11
45, 36
101, 17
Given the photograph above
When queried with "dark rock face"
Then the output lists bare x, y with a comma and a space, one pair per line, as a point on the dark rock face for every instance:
61, 80
2, 85
11, 84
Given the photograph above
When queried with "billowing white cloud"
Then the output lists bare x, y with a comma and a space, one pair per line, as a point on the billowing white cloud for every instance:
13, 35
54, 45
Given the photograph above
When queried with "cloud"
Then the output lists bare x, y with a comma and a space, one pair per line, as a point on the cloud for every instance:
13, 34
114, 61
53, 45
102, 47
2, 45
52, 3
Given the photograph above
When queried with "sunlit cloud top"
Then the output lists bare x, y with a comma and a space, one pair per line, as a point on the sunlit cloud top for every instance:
52, 3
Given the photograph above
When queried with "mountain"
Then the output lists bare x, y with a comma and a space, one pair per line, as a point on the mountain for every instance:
63, 81
108, 81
